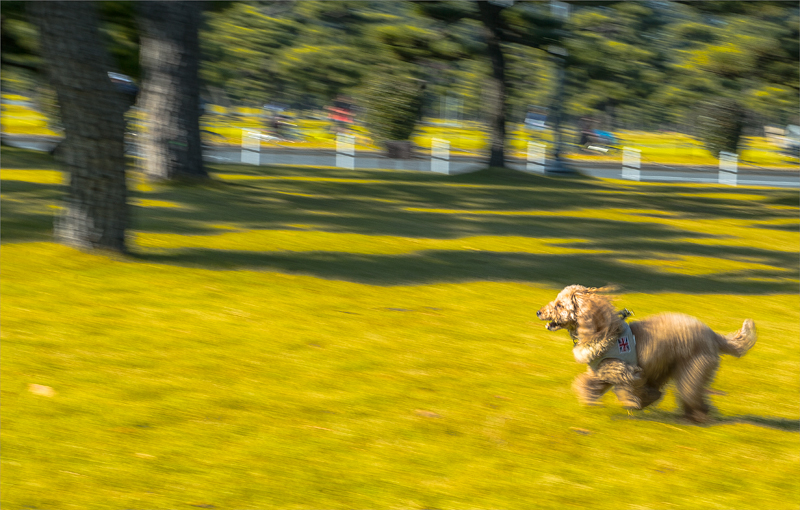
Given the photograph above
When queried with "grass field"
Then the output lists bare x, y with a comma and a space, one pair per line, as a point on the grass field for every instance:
296, 338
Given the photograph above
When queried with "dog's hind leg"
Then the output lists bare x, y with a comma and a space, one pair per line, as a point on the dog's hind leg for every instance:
691, 380
590, 388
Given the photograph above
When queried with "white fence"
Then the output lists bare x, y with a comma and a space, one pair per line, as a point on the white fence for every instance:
440, 156
536, 157
631, 163
251, 147
442, 160
345, 151
345, 156
728, 166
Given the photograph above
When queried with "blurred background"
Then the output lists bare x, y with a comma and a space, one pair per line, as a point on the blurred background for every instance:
678, 77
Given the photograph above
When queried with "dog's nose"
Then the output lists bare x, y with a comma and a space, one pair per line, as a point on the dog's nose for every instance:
539, 314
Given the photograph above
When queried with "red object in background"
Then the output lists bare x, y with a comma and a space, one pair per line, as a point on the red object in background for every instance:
341, 111
340, 115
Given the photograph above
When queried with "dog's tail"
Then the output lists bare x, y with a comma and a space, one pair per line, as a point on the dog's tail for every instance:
738, 343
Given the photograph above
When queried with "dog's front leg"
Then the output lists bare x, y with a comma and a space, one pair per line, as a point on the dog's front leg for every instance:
626, 379
590, 388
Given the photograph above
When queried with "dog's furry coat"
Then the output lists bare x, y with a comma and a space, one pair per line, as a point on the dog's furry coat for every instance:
669, 346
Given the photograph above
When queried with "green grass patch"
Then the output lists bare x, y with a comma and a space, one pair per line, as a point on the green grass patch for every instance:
321, 338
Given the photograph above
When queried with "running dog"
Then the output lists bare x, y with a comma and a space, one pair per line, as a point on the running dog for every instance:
639, 358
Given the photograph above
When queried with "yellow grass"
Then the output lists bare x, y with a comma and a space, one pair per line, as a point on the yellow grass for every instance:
295, 338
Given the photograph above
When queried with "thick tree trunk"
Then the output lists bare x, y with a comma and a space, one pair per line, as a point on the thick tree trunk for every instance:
496, 96
95, 211
170, 96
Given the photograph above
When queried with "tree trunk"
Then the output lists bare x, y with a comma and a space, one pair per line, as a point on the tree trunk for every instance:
170, 97
95, 211
558, 114
496, 94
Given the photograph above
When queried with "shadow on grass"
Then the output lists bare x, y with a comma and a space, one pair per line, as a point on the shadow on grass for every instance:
674, 419
27, 215
435, 266
26, 227
368, 191
13, 157
784, 424
427, 206
418, 205
632, 222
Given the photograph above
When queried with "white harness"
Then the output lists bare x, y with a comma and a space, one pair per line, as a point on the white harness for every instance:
624, 350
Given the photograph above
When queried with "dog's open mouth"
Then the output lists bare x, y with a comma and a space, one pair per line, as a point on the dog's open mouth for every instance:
553, 326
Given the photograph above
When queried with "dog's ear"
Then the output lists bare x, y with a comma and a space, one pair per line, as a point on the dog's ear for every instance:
599, 317
607, 289
581, 301
574, 296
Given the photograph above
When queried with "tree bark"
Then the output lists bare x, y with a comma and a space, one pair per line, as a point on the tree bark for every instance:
496, 97
170, 96
95, 212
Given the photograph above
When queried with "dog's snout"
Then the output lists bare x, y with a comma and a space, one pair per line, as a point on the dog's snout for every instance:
539, 314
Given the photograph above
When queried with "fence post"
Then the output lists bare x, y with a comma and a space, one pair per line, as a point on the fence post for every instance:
440, 156
727, 168
536, 155
251, 148
631, 163
345, 151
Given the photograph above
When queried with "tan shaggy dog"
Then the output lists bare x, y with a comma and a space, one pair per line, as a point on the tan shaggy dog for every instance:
667, 346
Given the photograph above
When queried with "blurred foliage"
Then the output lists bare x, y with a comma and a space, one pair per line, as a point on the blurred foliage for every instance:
18, 38
239, 46
393, 105
122, 34
630, 64
720, 123
656, 64
608, 65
